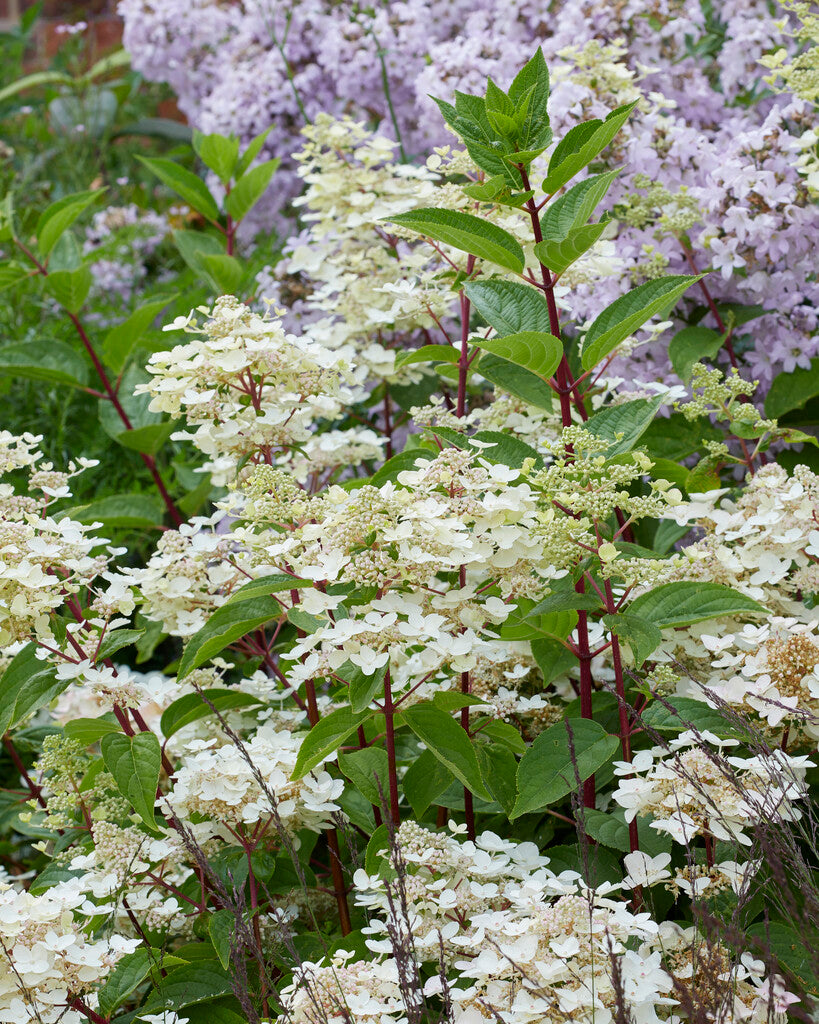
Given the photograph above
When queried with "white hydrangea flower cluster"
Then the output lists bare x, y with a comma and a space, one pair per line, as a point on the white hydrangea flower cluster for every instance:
49, 959
45, 559
692, 790
245, 387
190, 574
221, 783
765, 543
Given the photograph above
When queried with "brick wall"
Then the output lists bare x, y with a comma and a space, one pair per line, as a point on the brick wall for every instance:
104, 32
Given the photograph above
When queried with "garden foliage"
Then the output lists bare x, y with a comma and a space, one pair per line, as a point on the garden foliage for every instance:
427, 671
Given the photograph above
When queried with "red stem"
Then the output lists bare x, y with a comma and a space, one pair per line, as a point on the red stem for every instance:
389, 728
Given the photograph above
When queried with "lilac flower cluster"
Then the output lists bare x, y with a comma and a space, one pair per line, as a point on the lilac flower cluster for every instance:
706, 124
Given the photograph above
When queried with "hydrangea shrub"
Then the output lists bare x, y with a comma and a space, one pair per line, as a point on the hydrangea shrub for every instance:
484, 689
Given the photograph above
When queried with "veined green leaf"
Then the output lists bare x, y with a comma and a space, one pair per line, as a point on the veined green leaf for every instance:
325, 738
511, 307
427, 354
192, 706
790, 390
368, 771
558, 256
51, 361
581, 145
27, 685
624, 425
559, 760
227, 624
441, 734
135, 762
426, 779
70, 287
688, 601
465, 232
55, 219
516, 380
573, 209
120, 340
641, 635
690, 345
535, 351
250, 188
186, 184
217, 152
628, 313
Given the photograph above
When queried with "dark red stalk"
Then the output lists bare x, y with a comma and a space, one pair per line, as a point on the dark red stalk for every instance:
389, 728
111, 395
33, 788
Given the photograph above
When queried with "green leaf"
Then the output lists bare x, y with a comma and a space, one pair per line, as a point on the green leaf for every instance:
464, 231
565, 600
572, 210
115, 640
222, 929
192, 706
791, 390
225, 271
404, 460
34, 80
688, 601
441, 734
363, 768
12, 272
558, 256
794, 950
325, 738
690, 345
524, 624
195, 983
135, 762
51, 361
363, 688
677, 714
58, 217
581, 145
227, 624
509, 306
505, 450
88, 731
499, 769
642, 636
628, 313
27, 685
194, 246
149, 439
217, 152
516, 380
503, 732
487, 190
127, 974
425, 780
552, 657
264, 586
70, 288
533, 350
531, 87
612, 830
138, 511
549, 770
120, 340
249, 189
186, 184
428, 354
624, 425
254, 147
